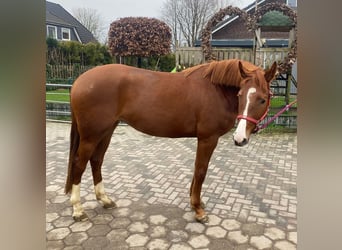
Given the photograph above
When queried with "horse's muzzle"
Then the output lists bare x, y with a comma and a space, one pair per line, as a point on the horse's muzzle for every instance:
242, 143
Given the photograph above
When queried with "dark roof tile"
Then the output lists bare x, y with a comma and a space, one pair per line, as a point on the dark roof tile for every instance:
55, 13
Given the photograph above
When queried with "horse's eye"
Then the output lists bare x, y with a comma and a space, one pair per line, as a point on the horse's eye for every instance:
262, 101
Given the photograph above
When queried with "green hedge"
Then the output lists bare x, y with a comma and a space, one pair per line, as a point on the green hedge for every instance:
76, 55
72, 52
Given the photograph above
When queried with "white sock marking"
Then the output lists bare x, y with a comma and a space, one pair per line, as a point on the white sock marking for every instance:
101, 194
75, 200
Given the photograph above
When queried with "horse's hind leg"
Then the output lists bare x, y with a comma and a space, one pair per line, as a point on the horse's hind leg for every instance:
96, 161
79, 165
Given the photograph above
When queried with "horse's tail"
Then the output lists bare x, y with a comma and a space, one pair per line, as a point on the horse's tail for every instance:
74, 143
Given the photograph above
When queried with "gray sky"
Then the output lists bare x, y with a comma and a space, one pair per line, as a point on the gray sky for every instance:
111, 10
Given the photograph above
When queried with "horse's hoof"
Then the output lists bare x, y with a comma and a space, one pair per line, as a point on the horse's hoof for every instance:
82, 217
202, 205
109, 205
203, 219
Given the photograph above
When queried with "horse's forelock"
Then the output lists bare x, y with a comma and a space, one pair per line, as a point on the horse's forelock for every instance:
224, 73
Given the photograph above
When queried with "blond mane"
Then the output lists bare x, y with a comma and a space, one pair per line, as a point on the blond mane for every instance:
224, 72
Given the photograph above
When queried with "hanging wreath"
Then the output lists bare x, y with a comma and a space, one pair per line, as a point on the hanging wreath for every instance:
251, 22
218, 17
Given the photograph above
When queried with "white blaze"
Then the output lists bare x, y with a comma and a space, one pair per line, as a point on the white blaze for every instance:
240, 132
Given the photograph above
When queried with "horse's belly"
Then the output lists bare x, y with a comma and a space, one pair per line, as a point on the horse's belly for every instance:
162, 126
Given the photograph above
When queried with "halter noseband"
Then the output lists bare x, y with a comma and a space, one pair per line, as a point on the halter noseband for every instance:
252, 120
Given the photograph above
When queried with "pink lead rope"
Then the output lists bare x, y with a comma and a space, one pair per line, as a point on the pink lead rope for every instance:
286, 108
256, 122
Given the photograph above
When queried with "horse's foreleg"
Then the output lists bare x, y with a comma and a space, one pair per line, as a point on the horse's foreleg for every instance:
192, 183
96, 163
205, 148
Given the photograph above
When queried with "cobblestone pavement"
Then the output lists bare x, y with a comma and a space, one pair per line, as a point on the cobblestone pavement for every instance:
249, 192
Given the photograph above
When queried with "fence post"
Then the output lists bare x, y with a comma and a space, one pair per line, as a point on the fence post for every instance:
288, 86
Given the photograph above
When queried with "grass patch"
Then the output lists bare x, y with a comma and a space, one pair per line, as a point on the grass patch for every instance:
279, 102
275, 129
58, 95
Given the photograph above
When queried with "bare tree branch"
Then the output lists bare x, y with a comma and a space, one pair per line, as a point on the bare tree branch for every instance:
187, 18
91, 19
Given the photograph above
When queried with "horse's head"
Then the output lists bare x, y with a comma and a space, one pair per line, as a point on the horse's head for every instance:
254, 99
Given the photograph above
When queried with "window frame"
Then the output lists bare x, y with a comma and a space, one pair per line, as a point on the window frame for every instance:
48, 33
66, 30
295, 3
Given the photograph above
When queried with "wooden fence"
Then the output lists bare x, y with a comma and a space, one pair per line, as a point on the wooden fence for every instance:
263, 57
71, 71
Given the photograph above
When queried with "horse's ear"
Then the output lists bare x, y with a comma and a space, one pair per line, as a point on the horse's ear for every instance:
242, 70
270, 74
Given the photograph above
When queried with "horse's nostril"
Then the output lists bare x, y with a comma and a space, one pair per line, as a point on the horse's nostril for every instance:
242, 143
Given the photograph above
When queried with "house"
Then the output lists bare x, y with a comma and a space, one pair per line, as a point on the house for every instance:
61, 25
275, 28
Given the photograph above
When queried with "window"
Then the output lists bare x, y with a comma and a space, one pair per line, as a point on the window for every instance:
51, 31
292, 3
65, 34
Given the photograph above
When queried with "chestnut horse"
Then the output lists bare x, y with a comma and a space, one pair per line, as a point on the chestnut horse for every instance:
203, 101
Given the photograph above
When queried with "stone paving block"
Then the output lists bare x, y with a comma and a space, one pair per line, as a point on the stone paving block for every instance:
231, 224
237, 237
158, 244
158, 232
275, 233
252, 229
195, 227
120, 223
180, 246
157, 219
216, 232
261, 242
137, 240
53, 188
178, 236
138, 227
284, 245
76, 238
292, 236
81, 227
51, 217
122, 212
102, 219
54, 245
64, 221
99, 242
214, 220
200, 241
98, 230
117, 235
74, 247
58, 234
